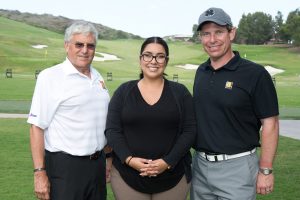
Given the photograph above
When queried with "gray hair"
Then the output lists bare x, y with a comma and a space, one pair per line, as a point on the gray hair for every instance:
80, 27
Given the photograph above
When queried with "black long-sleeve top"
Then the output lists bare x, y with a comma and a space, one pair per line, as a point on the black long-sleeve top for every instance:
164, 130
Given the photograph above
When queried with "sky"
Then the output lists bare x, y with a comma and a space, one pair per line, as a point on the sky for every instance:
148, 18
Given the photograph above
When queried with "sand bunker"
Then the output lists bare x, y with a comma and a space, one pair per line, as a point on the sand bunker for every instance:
272, 71
39, 46
105, 57
188, 66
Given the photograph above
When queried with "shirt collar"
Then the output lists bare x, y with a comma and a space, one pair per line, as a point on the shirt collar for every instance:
69, 69
231, 65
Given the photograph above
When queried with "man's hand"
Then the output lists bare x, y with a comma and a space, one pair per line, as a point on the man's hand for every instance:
108, 169
264, 184
41, 185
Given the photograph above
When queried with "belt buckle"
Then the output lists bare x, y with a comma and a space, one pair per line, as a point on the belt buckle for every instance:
214, 156
94, 156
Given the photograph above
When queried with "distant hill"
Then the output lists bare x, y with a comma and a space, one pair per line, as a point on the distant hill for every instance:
59, 24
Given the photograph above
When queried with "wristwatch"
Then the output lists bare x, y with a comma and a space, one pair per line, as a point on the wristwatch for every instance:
266, 171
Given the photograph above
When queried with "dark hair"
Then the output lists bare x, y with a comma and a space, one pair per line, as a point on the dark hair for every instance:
157, 40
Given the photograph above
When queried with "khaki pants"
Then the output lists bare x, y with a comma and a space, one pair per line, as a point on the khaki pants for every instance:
122, 191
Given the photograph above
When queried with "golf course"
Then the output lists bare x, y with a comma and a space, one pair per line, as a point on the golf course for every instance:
27, 49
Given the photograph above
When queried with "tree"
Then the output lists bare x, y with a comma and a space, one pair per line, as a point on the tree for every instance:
255, 28
278, 26
195, 33
291, 29
243, 31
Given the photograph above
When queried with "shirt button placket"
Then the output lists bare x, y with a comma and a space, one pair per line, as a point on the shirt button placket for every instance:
212, 77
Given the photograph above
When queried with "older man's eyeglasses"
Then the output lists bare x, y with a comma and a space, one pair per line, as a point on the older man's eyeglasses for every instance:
160, 58
80, 45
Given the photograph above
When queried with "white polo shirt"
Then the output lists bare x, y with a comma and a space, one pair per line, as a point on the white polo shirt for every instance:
71, 108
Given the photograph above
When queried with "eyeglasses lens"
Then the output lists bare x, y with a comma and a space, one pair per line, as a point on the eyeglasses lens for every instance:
80, 45
159, 58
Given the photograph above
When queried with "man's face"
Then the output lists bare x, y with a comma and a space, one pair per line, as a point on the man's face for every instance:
81, 50
216, 40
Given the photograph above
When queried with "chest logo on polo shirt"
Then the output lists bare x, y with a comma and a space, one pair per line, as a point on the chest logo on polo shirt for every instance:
102, 84
228, 85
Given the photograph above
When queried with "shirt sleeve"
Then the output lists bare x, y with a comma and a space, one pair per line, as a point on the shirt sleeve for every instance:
43, 104
187, 133
114, 130
264, 96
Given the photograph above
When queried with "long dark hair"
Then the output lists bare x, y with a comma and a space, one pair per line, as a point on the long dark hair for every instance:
157, 40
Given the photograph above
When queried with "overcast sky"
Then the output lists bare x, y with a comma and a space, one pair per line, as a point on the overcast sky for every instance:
148, 17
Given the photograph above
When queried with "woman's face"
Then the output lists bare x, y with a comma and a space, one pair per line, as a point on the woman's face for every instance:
153, 61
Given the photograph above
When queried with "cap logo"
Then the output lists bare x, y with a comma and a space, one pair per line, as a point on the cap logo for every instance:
209, 13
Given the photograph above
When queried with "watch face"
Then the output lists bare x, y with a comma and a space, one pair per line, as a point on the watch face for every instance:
266, 171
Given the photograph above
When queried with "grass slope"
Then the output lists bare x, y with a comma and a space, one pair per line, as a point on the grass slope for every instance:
15, 95
16, 52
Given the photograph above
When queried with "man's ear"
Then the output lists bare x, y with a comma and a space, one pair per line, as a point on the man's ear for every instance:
66, 46
232, 33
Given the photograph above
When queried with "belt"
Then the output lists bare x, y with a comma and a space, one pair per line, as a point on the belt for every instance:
221, 157
93, 156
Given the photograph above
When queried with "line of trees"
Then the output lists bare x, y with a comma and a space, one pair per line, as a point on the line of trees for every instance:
261, 28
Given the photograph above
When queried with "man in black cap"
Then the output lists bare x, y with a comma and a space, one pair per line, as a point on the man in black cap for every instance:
233, 98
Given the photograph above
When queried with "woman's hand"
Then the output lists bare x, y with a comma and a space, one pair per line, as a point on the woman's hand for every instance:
154, 167
139, 163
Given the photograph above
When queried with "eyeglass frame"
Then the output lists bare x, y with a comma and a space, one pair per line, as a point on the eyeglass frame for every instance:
81, 45
155, 57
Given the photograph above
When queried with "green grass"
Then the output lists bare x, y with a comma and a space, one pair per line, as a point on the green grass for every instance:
16, 176
16, 53
15, 95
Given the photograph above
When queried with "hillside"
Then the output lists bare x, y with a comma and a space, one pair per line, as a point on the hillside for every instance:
58, 24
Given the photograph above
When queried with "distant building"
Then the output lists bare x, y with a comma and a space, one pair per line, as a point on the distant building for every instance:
178, 37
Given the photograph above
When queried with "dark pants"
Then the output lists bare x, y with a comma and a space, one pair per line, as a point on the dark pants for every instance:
76, 177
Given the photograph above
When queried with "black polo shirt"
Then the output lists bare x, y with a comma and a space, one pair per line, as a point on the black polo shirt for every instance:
229, 103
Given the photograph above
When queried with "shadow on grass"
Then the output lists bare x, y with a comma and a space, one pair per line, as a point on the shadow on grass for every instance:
12, 106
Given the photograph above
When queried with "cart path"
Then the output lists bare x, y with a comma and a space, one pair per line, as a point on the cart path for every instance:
288, 128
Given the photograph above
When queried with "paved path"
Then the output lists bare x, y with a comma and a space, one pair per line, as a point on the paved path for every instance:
9, 115
288, 128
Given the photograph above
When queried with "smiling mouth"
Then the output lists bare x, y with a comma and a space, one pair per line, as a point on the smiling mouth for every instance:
214, 46
83, 57
151, 68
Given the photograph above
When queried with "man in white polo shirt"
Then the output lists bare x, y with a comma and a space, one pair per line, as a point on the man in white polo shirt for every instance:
67, 117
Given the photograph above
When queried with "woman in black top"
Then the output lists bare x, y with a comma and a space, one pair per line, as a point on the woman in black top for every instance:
151, 128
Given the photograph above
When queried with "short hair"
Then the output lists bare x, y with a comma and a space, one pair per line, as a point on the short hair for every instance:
80, 27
